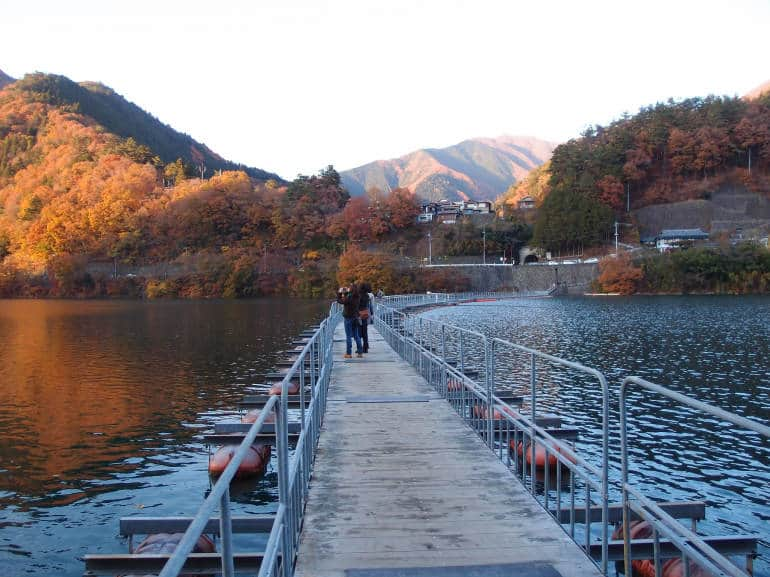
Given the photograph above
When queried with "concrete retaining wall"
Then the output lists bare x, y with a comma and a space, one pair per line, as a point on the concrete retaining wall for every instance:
572, 278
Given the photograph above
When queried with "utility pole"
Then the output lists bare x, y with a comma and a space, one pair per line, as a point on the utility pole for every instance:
484, 244
430, 250
628, 197
617, 224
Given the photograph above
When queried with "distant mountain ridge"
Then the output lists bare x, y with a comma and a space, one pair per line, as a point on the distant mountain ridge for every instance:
478, 169
5, 79
763, 88
125, 119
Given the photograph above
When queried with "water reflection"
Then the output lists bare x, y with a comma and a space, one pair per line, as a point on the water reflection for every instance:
102, 408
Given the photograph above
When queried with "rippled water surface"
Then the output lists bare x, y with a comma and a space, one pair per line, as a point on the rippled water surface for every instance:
716, 349
102, 408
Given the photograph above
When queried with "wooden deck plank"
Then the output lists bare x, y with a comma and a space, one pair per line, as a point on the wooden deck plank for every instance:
409, 484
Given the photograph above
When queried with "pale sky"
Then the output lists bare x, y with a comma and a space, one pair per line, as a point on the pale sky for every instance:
292, 86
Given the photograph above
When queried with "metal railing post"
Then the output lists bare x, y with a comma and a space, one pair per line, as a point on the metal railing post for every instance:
443, 343
533, 401
226, 532
284, 498
489, 348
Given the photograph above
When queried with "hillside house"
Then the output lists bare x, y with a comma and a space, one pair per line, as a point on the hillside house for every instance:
675, 238
526, 203
449, 212
426, 215
448, 216
476, 207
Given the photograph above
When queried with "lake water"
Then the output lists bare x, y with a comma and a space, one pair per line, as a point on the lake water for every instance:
714, 348
102, 408
103, 404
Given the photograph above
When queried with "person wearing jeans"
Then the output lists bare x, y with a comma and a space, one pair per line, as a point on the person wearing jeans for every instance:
350, 299
365, 312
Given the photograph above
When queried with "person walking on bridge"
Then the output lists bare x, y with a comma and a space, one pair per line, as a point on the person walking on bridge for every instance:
365, 312
350, 299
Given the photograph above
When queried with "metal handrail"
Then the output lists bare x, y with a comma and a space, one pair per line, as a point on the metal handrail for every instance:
219, 495
690, 544
398, 302
293, 477
605, 391
412, 337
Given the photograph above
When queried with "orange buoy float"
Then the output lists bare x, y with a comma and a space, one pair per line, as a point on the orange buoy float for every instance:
540, 454
160, 543
639, 530
166, 543
481, 412
253, 415
276, 389
454, 385
254, 463
675, 568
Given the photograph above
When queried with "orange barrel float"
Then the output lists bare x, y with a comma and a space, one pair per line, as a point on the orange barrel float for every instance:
161, 543
675, 568
276, 389
639, 530
453, 385
253, 415
166, 543
481, 412
253, 465
646, 567
540, 454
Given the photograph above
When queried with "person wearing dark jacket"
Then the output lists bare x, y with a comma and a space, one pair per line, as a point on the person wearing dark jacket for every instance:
365, 311
350, 299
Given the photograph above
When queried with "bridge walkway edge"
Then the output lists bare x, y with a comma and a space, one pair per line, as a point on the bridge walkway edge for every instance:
401, 482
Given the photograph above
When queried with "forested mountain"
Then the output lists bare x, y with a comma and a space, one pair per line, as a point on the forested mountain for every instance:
125, 119
478, 169
85, 211
669, 152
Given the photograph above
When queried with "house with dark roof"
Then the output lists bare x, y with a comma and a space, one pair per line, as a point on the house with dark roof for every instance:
673, 238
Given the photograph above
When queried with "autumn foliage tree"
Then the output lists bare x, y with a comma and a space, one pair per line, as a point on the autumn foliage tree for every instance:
619, 275
401, 208
356, 265
306, 211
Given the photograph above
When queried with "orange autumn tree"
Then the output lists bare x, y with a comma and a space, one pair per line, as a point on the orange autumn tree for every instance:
401, 208
619, 275
356, 265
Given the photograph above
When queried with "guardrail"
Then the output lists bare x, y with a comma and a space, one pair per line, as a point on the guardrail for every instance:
687, 543
313, 367
461, 365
